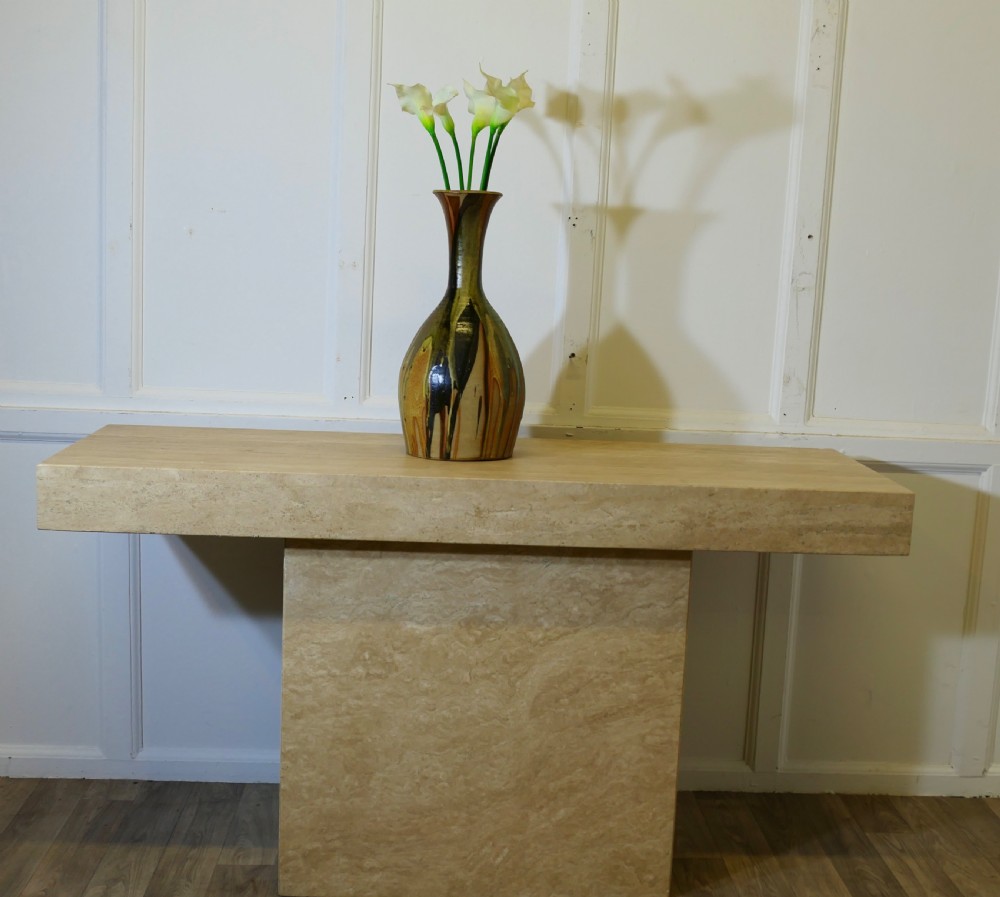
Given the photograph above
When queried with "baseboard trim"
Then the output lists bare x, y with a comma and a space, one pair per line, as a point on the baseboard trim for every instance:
916, 782
194, 765
70, 763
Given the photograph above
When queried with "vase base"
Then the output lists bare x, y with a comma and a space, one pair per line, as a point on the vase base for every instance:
460, 460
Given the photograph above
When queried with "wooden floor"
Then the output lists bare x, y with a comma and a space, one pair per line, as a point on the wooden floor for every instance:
70, 838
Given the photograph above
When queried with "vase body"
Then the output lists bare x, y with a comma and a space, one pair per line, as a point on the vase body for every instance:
461, 385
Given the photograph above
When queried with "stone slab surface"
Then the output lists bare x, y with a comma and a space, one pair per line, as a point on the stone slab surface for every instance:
479, 722
317, 485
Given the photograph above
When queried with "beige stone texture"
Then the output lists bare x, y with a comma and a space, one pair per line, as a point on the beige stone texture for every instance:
315, 485
462, 715
485, 722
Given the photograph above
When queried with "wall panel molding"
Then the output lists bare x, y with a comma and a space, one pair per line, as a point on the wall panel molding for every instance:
357, 48
991, 409
374, 93
134, 568
600, 31
34, 760
822, 40
60, 439
672, 419
899, 429
978, 704
756, 677
594, 28
138, 216
974, 725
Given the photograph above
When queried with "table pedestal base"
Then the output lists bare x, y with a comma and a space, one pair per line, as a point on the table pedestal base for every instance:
479, 721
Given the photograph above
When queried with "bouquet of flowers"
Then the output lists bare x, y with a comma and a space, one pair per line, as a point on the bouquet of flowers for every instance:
492, 107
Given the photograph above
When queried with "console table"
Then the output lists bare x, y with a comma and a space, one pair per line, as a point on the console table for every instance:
482, 662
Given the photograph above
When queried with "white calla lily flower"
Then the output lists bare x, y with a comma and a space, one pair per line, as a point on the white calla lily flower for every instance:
510, 98
523, 91
492, 107
439, 105
417, 100
482, 105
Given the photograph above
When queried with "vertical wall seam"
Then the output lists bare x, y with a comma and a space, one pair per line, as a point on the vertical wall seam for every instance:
991, 404
103, 340
371, 201
840, 51
977, 695
137, 226
755, 678
135, 641
603, 189
813, 154
790, 654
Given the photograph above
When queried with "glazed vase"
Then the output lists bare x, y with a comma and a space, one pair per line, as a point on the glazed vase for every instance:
461, 385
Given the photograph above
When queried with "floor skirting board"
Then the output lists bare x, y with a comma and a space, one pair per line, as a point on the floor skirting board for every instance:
918, 781
16, 762
192, 765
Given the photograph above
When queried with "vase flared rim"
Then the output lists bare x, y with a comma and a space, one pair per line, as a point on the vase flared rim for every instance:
468, 192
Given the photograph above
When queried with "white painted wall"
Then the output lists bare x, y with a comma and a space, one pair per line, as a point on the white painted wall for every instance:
772, 221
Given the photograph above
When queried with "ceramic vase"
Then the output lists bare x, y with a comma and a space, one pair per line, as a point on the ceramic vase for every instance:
461, 385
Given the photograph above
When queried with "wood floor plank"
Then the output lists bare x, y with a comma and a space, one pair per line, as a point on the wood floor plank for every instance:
855, 858
964, 864
13, 794
913, 866
138, 842
975, 821
244, 881
691, 836
253, 836
752, 866
77, 850
875, 813
29, 834
806, 867
699, 876
188, 861
175, 839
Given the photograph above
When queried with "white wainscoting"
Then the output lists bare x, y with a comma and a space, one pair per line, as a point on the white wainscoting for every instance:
774, 222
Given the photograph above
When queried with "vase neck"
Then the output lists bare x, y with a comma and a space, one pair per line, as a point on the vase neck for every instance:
466, 215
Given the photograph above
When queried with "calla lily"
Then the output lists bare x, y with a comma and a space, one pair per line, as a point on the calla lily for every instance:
508, 100
492, 107
482, 105
417, 100
439, 104
523, 91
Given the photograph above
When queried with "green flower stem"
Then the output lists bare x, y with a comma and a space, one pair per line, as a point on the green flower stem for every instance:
444, 168
490, 154
472, 155
458, 156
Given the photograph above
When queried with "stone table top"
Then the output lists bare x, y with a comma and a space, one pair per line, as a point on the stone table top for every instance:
558, 493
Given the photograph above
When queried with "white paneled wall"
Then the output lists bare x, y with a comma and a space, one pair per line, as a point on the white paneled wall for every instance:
770, 221
51, 622
914, 221
51, 114
893, 631
238, 135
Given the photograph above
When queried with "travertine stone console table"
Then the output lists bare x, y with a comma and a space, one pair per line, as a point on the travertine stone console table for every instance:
482, 662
